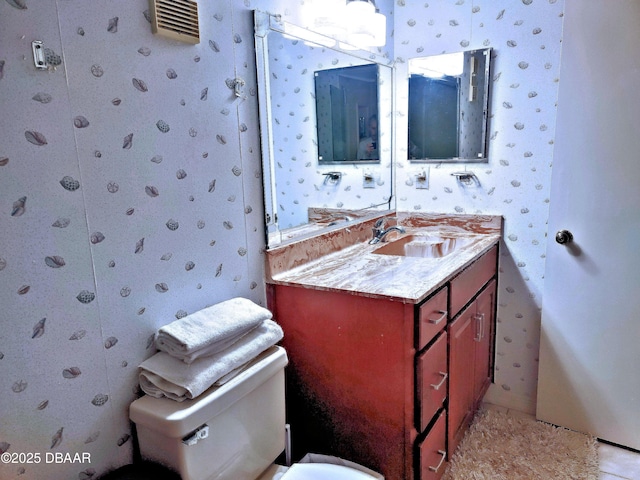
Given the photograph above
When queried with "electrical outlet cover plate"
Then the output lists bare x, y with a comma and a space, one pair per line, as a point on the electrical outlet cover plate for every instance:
368, 181
422, 180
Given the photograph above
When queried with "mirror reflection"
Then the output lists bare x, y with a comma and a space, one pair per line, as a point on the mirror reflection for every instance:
318, 106
448, 107
347, 114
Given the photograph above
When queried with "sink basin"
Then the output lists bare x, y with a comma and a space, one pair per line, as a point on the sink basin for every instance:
424, 246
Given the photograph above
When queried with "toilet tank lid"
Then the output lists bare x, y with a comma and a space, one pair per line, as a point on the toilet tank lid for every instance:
176, 419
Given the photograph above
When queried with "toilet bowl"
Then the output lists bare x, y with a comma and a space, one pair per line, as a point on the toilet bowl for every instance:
316, 471
231, 432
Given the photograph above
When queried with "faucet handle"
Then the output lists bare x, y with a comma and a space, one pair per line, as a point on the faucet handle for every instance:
378, 229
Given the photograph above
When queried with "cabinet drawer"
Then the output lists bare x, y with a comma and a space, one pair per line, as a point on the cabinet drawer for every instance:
432, 451
432, 381
469, 282
432, 318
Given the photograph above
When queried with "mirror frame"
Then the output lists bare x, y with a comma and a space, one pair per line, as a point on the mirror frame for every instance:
263, 24
486, 74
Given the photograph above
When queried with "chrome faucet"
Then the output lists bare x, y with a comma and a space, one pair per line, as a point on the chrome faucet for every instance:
379, 231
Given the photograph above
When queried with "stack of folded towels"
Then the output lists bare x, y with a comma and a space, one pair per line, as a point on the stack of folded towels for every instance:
207, 348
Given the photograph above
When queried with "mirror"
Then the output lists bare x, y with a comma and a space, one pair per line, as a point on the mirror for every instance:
448, 107
347, 114
315, 104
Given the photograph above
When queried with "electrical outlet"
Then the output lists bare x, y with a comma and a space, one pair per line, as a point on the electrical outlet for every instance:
422, 180
368, 181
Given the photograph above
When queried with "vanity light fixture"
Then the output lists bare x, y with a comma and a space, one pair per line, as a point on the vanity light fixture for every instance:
366, 26
309, 37
438, 66
351, 23
327, 18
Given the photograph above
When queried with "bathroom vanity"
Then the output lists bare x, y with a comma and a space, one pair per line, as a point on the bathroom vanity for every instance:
390, 348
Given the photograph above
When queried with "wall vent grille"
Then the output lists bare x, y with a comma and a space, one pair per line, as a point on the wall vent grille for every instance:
175, 19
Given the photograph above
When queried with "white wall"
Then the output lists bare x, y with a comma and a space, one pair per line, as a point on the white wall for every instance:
67, 373
68, 366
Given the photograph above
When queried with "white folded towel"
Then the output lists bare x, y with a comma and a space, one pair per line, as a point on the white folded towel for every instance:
210, 330
165, 376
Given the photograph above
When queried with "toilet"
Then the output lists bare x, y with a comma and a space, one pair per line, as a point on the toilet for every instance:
231, 432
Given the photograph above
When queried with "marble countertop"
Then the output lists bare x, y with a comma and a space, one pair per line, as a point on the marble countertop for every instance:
358, 270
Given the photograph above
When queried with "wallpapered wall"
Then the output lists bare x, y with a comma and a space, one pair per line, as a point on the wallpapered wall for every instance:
301, 182
130, 195
525, 37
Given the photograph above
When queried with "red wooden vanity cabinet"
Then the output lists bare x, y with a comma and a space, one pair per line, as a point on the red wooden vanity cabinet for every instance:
470, 354
387, 384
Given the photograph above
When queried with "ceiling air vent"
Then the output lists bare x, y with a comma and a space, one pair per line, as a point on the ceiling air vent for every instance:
175, 19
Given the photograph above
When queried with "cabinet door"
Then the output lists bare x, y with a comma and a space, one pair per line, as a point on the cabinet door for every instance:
433, 451
483, 339
461, 374
432, 381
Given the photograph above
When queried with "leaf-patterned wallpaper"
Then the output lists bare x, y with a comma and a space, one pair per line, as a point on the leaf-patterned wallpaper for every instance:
131, 194
525, 36
300, 180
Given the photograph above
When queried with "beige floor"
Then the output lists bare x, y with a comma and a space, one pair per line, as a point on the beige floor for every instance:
615, 463
618, 463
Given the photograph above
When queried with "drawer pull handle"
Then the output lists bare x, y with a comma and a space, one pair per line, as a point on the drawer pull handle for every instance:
444, 379
479, 327
438, 320
444, 455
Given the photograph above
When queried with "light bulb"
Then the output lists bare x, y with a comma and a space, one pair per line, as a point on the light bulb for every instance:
379, 30
365, 27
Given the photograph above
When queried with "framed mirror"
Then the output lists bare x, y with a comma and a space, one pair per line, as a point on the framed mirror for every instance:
317, 104
448, 107
347, 114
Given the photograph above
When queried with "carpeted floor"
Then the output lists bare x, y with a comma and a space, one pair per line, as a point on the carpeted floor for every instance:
502, 446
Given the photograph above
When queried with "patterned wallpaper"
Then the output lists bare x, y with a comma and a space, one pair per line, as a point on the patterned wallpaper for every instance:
131, 195
300, 181
525, 37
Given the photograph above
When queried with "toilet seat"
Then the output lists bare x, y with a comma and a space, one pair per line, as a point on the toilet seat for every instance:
323, 471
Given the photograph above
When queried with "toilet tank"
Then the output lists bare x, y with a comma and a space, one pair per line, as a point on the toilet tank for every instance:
231, 432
